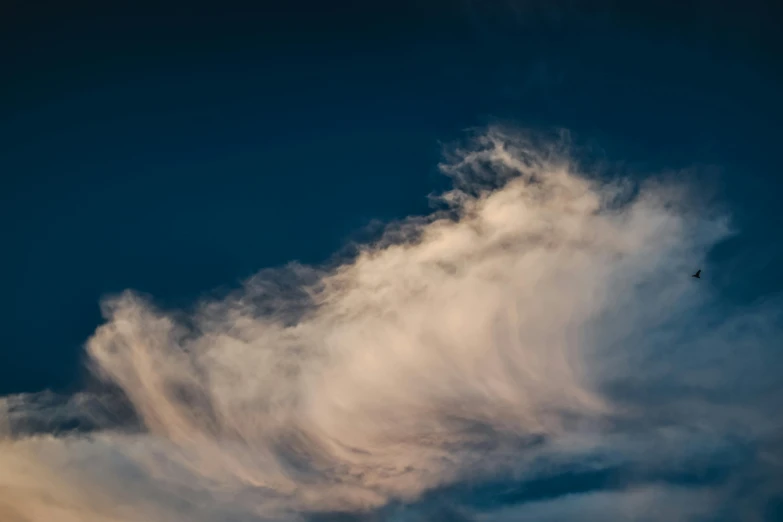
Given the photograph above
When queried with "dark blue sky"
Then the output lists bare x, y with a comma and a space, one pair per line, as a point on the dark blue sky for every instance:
180, 148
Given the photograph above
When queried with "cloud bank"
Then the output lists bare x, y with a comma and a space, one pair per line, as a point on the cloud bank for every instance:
532, 350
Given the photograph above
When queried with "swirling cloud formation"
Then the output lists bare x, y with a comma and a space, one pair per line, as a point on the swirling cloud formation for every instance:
532, 350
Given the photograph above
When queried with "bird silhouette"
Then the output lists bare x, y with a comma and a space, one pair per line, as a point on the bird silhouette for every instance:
697, 274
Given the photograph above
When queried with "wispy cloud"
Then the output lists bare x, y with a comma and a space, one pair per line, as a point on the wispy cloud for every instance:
541, 324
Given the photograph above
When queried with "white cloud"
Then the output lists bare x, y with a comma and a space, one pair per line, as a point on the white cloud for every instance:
430, 357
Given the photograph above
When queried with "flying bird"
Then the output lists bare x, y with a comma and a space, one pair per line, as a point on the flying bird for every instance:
697, 274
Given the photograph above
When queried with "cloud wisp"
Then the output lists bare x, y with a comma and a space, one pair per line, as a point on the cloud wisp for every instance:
539, 326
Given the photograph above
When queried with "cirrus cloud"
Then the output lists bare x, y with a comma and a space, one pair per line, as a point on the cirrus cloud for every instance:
536, 338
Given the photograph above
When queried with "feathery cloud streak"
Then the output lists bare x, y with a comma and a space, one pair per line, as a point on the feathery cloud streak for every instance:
541, 324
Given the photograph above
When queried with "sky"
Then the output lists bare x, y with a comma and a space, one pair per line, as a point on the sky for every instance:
390, 261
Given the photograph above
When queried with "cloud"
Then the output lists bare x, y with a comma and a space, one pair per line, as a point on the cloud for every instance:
539, 325
646, 504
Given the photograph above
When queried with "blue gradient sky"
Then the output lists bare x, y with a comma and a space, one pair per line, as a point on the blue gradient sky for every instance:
178, 148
